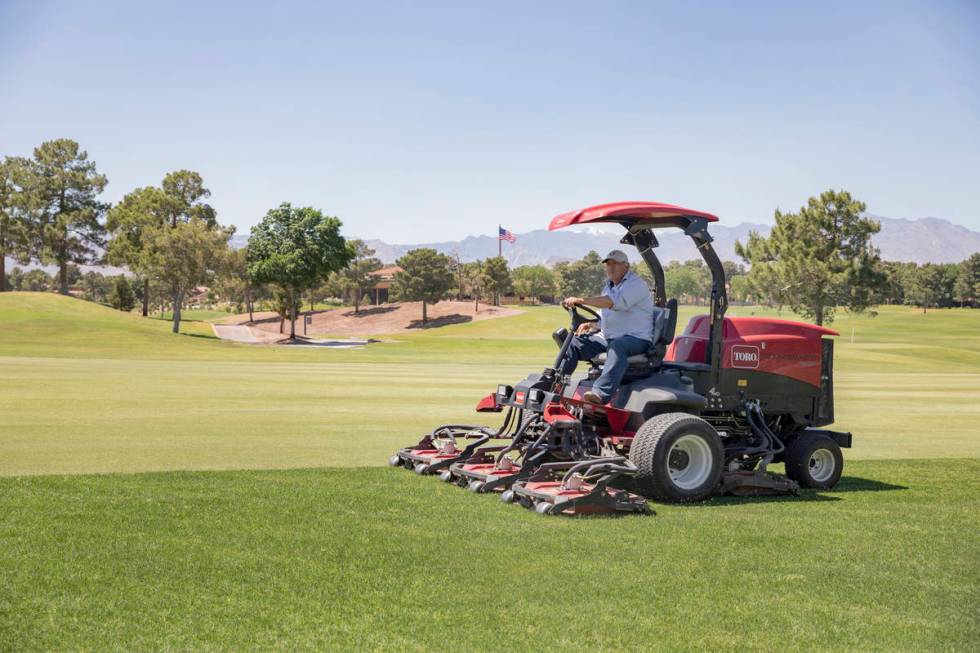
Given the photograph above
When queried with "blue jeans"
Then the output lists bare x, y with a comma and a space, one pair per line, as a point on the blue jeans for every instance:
617, 351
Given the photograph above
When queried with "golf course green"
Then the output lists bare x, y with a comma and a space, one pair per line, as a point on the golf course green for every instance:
175, 492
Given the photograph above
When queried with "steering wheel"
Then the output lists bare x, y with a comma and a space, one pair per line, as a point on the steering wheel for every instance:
577, 319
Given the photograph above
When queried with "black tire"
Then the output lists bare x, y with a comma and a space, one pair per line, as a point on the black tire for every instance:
807, 457
651, 451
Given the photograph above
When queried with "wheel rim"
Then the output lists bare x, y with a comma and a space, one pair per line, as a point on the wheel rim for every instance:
689, 462
822, 465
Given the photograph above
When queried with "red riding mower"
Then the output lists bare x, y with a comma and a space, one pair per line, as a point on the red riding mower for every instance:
700, 413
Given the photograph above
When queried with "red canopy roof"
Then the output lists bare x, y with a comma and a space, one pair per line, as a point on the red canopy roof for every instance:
650, 212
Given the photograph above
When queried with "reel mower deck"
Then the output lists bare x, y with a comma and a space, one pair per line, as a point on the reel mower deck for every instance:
583, 489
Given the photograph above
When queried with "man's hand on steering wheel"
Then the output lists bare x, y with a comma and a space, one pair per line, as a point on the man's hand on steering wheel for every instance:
583, 326
586, 328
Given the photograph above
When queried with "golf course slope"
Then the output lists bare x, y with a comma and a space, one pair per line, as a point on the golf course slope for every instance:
176, 492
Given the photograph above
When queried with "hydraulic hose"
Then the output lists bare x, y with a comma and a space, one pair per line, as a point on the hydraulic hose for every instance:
758, 424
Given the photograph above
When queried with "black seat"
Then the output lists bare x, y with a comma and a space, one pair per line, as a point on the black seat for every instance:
664, 325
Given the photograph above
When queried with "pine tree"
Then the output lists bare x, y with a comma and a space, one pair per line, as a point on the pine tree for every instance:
65, 185
816, 259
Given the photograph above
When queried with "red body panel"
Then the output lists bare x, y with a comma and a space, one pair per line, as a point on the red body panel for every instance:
758, 344
489, 405
491, 469
616, 211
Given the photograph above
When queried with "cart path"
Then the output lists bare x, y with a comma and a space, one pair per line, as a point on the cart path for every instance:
236, 332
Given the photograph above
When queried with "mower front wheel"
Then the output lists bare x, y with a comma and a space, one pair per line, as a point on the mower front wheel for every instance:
814, 460
679, 458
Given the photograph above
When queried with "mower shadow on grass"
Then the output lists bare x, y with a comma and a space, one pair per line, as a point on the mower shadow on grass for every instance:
726, 501
846, 484
858, 484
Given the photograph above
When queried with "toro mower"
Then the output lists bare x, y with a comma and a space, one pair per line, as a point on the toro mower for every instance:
702, 412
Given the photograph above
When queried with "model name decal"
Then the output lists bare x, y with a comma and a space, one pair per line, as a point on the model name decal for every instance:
745, 356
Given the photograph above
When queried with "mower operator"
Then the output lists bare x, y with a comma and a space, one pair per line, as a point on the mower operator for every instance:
626, 327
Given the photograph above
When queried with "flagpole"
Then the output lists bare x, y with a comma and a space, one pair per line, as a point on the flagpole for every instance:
500, 243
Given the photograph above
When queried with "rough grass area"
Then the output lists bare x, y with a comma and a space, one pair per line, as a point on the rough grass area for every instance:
380, 559
351, 555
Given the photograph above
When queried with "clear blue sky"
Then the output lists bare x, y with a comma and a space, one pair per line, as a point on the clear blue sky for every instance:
426, 121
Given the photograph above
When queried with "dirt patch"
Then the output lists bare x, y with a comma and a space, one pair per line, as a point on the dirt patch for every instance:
369, 320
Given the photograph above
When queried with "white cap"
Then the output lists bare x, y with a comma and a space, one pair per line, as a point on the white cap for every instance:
617, 256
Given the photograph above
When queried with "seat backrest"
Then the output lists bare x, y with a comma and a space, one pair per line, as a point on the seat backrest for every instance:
668, 322
664, 324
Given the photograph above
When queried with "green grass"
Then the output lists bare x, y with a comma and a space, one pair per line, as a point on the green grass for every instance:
379, 559
95, 557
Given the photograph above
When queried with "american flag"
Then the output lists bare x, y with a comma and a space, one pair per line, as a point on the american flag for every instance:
506, 235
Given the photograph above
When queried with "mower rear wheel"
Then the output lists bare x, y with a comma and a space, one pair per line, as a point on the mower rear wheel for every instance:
679, 457
814, 460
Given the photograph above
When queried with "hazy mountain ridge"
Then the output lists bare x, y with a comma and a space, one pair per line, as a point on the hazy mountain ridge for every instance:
923, 240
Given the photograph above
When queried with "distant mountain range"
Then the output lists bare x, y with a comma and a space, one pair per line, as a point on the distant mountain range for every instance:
924, 240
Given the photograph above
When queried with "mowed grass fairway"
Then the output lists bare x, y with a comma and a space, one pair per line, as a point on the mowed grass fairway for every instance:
153, 497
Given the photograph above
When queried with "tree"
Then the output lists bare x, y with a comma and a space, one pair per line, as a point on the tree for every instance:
95, 287
356, 279
234, 284
582, 278
36, 281
65, 185
14, 233
498, 276
681, 280
533, 281
285, 304
476, 283
967, 287
184, 190
183, 257
15, 280
296, 248
896, 277
127, 222
738, 289
425, 276
121, 295
179, 200
818, 258
931, 286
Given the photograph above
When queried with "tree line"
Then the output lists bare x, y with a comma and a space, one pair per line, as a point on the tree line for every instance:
814, 260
